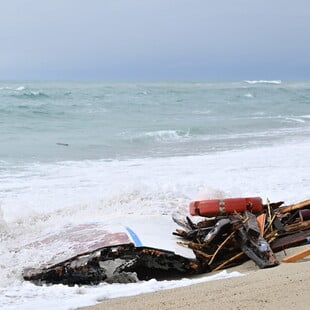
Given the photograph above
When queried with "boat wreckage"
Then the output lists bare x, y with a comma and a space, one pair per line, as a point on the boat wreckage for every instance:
226, 233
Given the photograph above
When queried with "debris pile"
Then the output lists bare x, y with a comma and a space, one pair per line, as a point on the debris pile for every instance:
230, 232
229, 238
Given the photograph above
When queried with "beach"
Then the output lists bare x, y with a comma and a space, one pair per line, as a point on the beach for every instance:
282, 287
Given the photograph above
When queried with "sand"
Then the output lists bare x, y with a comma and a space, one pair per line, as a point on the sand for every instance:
283, 287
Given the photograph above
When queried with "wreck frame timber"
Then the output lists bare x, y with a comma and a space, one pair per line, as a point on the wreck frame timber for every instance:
114, 264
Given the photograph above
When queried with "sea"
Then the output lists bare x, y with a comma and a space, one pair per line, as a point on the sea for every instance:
80, 152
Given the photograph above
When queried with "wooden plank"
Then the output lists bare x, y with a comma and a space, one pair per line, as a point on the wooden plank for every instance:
288, 241
294, 206
297, 226
297, 256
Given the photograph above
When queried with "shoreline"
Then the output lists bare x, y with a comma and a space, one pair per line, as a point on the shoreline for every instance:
282, 287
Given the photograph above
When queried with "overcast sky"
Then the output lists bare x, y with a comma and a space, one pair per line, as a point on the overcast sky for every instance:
155, 39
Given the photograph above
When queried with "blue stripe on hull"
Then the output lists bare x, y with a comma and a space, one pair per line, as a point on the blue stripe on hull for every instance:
134, 237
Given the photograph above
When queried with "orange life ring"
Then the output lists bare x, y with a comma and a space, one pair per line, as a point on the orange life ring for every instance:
225, 206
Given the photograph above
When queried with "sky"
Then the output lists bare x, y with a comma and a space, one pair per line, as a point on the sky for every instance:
154, 39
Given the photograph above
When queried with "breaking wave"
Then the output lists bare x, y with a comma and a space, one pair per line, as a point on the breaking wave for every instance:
277, 82
166, 135
294, 119
22, 92
30, 95
156, 136
19, 88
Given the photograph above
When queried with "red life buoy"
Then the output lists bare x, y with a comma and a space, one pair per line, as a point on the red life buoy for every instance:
225, 206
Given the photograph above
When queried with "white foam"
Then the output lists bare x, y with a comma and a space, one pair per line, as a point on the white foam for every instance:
277, 82
63, 297
4, 229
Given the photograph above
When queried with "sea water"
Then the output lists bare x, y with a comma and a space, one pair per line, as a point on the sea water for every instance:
75, 152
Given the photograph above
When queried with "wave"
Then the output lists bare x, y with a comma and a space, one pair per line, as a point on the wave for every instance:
30, 95
277, 82
294, 119
22, 92
166, 135
158, 136
5, 88
248, 95
19, 88
285, 119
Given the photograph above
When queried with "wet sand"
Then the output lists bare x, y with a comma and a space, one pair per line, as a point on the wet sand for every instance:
283, 287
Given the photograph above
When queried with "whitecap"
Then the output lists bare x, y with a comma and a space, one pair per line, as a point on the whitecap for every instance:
166, 135
248, 95
263, 82
157, 135
35, 94
20, 88
295, 119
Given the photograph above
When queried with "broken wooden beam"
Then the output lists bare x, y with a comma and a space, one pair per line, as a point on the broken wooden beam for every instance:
294, 206
290, 240
298, 226
297, 256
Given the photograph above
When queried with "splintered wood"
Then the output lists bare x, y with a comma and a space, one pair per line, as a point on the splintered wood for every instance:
226, 240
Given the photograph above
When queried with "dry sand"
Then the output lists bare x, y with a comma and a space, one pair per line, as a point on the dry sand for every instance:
284, 287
